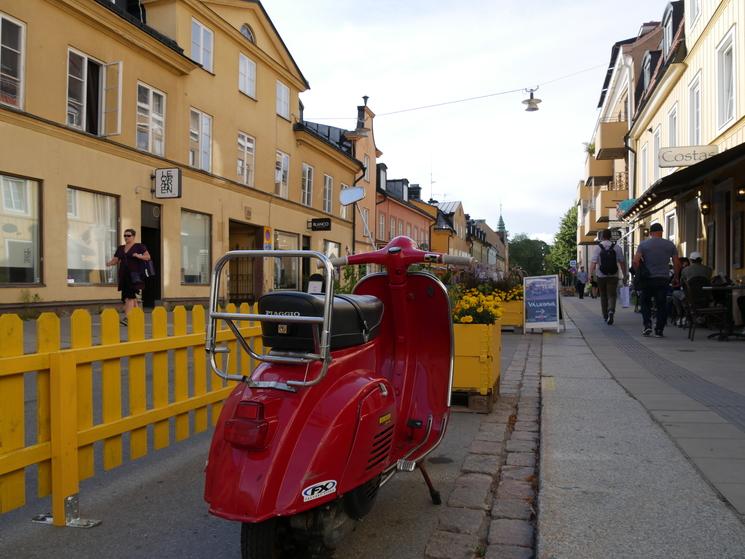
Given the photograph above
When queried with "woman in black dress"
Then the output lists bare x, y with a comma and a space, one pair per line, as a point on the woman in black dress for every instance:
130, 257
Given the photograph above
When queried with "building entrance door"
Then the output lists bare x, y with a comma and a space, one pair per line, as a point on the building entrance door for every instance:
246, 274
150, 237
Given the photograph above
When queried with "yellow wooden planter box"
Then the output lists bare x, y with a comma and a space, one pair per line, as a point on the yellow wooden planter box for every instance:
513, 313
477, 352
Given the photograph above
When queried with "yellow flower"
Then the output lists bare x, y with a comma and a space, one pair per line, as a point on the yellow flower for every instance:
466, 319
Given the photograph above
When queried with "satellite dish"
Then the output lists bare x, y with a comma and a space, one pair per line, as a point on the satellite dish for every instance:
351, 195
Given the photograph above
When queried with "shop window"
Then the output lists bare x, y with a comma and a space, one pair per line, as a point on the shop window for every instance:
202, 40
331, 249
19, 234
246, 159
286, 270
200, 140
11, 69
282, 174
247, 75
151, 119
196, 247
91, 237
328, 191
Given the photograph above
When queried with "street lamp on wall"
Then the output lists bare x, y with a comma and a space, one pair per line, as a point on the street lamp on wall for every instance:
705, 207
740, 194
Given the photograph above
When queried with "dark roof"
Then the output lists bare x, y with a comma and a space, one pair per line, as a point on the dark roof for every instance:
330, 134
121, 10
611, 66
448, 207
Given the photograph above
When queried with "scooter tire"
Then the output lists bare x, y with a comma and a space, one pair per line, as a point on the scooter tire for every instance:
259, 541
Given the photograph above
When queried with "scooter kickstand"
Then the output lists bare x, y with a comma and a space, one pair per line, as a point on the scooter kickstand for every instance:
433, 493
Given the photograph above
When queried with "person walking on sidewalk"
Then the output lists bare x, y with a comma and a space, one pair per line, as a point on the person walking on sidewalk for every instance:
606, 262
581, 282
129, 259
655, 254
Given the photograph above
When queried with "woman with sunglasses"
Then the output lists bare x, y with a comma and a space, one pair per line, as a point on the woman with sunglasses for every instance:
130, 258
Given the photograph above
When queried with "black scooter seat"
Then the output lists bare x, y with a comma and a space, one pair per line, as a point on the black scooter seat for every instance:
355, 319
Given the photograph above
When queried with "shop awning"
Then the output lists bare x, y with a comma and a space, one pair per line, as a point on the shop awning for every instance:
684, 180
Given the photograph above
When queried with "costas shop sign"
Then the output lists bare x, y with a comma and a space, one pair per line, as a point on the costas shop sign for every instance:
685, 155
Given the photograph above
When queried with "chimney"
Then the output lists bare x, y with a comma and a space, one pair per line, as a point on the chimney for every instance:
415, 192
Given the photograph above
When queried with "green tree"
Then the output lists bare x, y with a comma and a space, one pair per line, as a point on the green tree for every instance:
564, 248
528, 254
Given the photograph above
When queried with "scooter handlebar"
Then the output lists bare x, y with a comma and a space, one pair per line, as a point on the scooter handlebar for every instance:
458, 260
341, 261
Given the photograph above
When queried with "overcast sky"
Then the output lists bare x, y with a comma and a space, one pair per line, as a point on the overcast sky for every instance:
485, 152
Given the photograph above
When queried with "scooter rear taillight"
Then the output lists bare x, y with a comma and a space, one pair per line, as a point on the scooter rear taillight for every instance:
248, 428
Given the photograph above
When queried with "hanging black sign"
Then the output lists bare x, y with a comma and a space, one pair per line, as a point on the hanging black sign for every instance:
320, 224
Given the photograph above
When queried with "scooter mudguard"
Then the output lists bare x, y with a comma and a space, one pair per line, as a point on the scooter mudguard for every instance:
296, 457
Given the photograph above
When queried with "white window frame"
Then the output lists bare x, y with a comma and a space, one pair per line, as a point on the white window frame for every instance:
306, 185
381, 225
726, 100
667, 34
328, 192
152, 119
21, 61
246, 160
12, 202
408, 230
72, 203
282, 174
84, 102
342, 208
672, 127
400, 227
282, 100
246, 75
643, 168
203, 160
668, 217
199, 51
392, 226
656, 138
366, 162
695, 11
248, 33
695, 96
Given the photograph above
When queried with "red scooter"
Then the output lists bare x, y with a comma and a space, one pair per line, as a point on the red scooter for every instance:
354, 389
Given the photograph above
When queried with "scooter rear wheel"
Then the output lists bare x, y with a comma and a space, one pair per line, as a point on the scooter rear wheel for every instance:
259, 541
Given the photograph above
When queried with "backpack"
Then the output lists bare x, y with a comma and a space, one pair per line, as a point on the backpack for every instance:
608, 259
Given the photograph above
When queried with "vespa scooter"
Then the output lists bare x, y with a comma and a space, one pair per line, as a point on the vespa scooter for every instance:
354, 389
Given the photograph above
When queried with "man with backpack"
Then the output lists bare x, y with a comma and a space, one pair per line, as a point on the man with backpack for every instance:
655, 254
606, 261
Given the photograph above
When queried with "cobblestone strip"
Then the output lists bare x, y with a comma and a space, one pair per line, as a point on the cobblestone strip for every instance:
490, 512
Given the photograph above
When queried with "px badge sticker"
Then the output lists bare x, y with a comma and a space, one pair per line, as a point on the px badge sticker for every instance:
318, 490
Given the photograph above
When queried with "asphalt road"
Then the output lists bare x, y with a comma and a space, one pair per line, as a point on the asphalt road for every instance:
154, 508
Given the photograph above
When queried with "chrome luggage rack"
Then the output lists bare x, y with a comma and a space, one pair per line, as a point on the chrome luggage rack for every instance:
322, 351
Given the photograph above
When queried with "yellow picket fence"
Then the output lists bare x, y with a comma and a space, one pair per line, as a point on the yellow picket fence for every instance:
166, 376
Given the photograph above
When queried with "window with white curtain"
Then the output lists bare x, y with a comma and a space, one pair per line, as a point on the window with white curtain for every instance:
282, 174
694, 112
151, 119
283, 100
247, 75
91, 237
246, 159
726, 80
11, 69
200, 140
328, 192
196, 247
381, 226
20, 247
306, 186
202, 40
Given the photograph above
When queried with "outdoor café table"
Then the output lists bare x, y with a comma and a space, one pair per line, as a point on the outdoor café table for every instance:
730, 325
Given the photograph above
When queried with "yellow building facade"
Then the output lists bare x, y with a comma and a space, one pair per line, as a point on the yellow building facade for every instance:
93, 102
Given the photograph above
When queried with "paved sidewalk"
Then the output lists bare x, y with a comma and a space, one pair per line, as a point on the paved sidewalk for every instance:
642, 442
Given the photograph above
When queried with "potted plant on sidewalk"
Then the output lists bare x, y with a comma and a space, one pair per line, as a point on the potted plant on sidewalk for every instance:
478, 344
